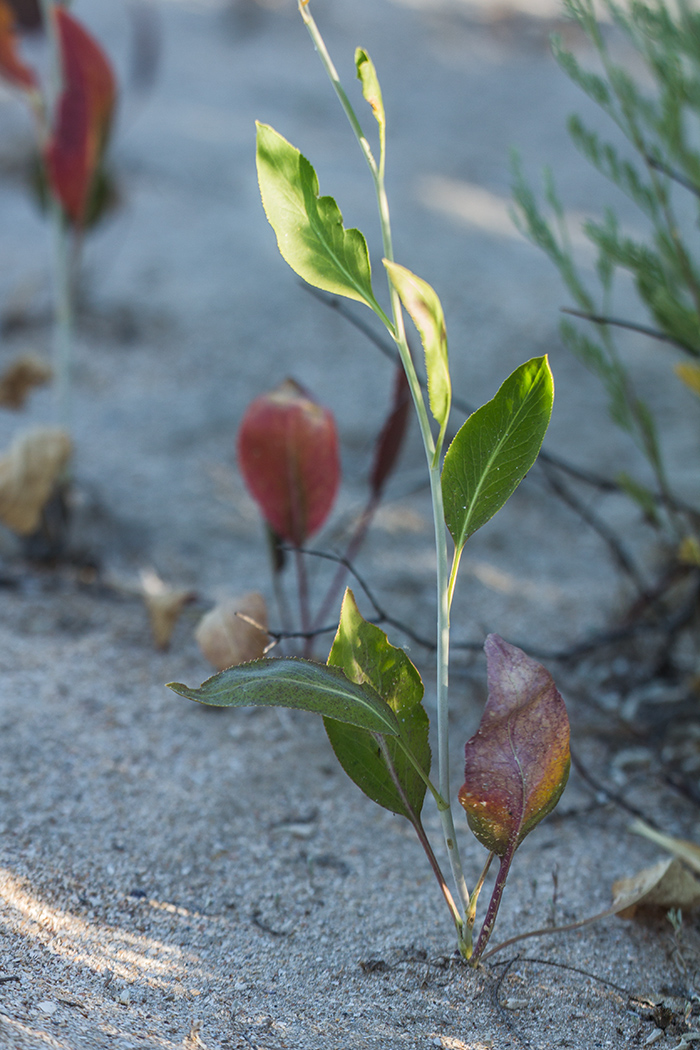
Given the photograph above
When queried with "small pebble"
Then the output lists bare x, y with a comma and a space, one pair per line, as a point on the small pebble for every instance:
48, 1007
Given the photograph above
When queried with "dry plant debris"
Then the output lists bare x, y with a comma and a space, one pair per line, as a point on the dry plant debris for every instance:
234, 631
164, 605
29, 473
21, 377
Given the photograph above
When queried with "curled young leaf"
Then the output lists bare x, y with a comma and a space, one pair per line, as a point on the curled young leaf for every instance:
365, 655
226, 639
493, 451
288, 456
12, 68
372, 92
299, 684
309, 229
83, 118
29, 472
517, 763
425, 310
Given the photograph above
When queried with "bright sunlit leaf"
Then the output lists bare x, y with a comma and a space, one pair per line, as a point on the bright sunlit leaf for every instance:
425, 310
309, 229
372, 92
366, 656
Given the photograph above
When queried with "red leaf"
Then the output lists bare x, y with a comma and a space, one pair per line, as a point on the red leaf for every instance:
11, 66
288, 455
392, 434
517, 764
83, 116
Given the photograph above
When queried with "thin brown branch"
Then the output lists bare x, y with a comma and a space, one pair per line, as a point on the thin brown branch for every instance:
665, 169
632, 326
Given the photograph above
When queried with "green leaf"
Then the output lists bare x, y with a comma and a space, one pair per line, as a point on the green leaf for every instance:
299, 684
425, 310
495, 448
517, 763
366, 657
367, 75
309, 229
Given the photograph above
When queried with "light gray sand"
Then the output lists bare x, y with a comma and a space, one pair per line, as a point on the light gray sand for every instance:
173, 876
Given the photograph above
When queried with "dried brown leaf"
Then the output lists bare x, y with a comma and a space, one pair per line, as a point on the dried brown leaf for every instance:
226, 639
688, 852
19, 379
668, 884
29, 472
164, 605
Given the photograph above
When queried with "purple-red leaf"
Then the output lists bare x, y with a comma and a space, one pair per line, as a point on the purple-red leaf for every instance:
12, 68
392, 434
83, 116
288, 456
517, 763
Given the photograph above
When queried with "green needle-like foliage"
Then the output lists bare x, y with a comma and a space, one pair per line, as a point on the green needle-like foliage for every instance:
652, 158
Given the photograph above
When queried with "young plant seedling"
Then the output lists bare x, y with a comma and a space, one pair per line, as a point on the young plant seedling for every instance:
73, 116
369, 693
287, 450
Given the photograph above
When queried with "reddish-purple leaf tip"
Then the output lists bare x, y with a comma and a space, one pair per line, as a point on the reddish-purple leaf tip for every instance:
83, 117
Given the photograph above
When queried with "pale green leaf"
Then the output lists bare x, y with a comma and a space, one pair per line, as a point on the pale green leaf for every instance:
425, 310
309, 229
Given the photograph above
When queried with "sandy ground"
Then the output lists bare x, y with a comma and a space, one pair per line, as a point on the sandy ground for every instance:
173, 876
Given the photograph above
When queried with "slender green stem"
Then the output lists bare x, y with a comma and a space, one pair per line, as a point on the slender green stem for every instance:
443, 662
425, 843
432, 452
64, 318
327, 61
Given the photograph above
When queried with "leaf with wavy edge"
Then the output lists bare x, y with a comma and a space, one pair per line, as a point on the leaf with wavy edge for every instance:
309, 229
